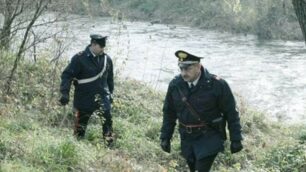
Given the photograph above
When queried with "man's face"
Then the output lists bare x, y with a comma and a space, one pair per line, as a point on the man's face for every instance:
97, 49
191, 72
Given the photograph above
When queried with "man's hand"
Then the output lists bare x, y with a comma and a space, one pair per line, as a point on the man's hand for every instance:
236, 146
165, 145
64, 99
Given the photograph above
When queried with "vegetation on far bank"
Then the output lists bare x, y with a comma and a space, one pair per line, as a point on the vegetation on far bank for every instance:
268, 19
34, 136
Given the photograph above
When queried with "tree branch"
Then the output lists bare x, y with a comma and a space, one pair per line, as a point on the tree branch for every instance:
38, 11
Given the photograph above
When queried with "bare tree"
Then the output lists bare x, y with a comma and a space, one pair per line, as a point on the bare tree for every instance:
19, 15
9, 11
300, 10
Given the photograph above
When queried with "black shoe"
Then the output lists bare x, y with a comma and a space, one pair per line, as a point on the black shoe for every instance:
108, 138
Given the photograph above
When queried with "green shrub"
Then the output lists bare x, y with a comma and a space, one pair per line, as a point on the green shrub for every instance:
55, 156
286, 158
16, 165
2, 150
302, 136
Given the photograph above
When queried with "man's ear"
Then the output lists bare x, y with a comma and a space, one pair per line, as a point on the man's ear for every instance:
199, 65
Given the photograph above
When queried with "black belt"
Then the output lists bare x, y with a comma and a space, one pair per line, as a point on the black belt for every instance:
194, 127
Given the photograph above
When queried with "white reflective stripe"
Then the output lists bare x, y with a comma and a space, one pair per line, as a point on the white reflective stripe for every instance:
87, 80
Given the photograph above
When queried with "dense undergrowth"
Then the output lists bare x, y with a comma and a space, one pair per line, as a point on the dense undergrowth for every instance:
34, 136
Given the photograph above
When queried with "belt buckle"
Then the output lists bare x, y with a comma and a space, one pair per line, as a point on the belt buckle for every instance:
189, 129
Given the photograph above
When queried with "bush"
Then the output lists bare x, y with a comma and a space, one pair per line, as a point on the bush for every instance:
56, 157
286, 158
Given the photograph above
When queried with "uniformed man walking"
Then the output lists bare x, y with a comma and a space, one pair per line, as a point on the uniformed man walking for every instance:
202, 104
91, 71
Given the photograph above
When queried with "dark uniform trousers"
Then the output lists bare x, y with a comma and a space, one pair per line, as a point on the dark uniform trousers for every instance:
201, 165
81, 121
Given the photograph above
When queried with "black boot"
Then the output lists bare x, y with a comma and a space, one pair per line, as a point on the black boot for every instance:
108, 138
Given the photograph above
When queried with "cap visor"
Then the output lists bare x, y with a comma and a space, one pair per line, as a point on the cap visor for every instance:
188, 62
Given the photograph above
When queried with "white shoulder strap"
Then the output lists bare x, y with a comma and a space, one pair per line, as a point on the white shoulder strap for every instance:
87, 80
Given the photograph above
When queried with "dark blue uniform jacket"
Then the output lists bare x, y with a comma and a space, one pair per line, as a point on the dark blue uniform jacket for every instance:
82, 66
211, 98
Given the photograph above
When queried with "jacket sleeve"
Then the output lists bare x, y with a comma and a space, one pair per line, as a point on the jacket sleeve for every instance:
70, 72
231, 115
110, 76
169, 117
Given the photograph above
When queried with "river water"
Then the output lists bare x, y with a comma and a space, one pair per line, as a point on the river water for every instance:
269, 75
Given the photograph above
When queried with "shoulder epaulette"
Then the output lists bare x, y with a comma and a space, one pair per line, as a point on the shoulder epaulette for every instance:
176, 77
80, 53
175, 80
216, 77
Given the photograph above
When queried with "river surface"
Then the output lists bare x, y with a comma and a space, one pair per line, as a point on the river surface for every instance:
269, 75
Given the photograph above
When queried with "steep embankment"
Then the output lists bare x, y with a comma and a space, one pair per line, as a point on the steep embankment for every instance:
34, 138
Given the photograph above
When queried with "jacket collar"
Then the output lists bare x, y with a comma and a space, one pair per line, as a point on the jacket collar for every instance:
88, 52
205, 77
90, 55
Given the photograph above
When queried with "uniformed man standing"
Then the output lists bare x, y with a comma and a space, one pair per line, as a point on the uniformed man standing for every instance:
202, 104
91, 71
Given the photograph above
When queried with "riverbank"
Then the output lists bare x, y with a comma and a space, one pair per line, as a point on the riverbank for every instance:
270, 19
34, 137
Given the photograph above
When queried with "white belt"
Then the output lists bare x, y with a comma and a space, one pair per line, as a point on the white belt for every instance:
87, 80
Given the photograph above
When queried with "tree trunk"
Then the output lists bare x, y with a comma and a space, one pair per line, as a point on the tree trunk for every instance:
5, 34
300, 10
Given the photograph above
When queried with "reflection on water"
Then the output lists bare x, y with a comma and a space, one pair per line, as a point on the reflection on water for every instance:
270, 75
